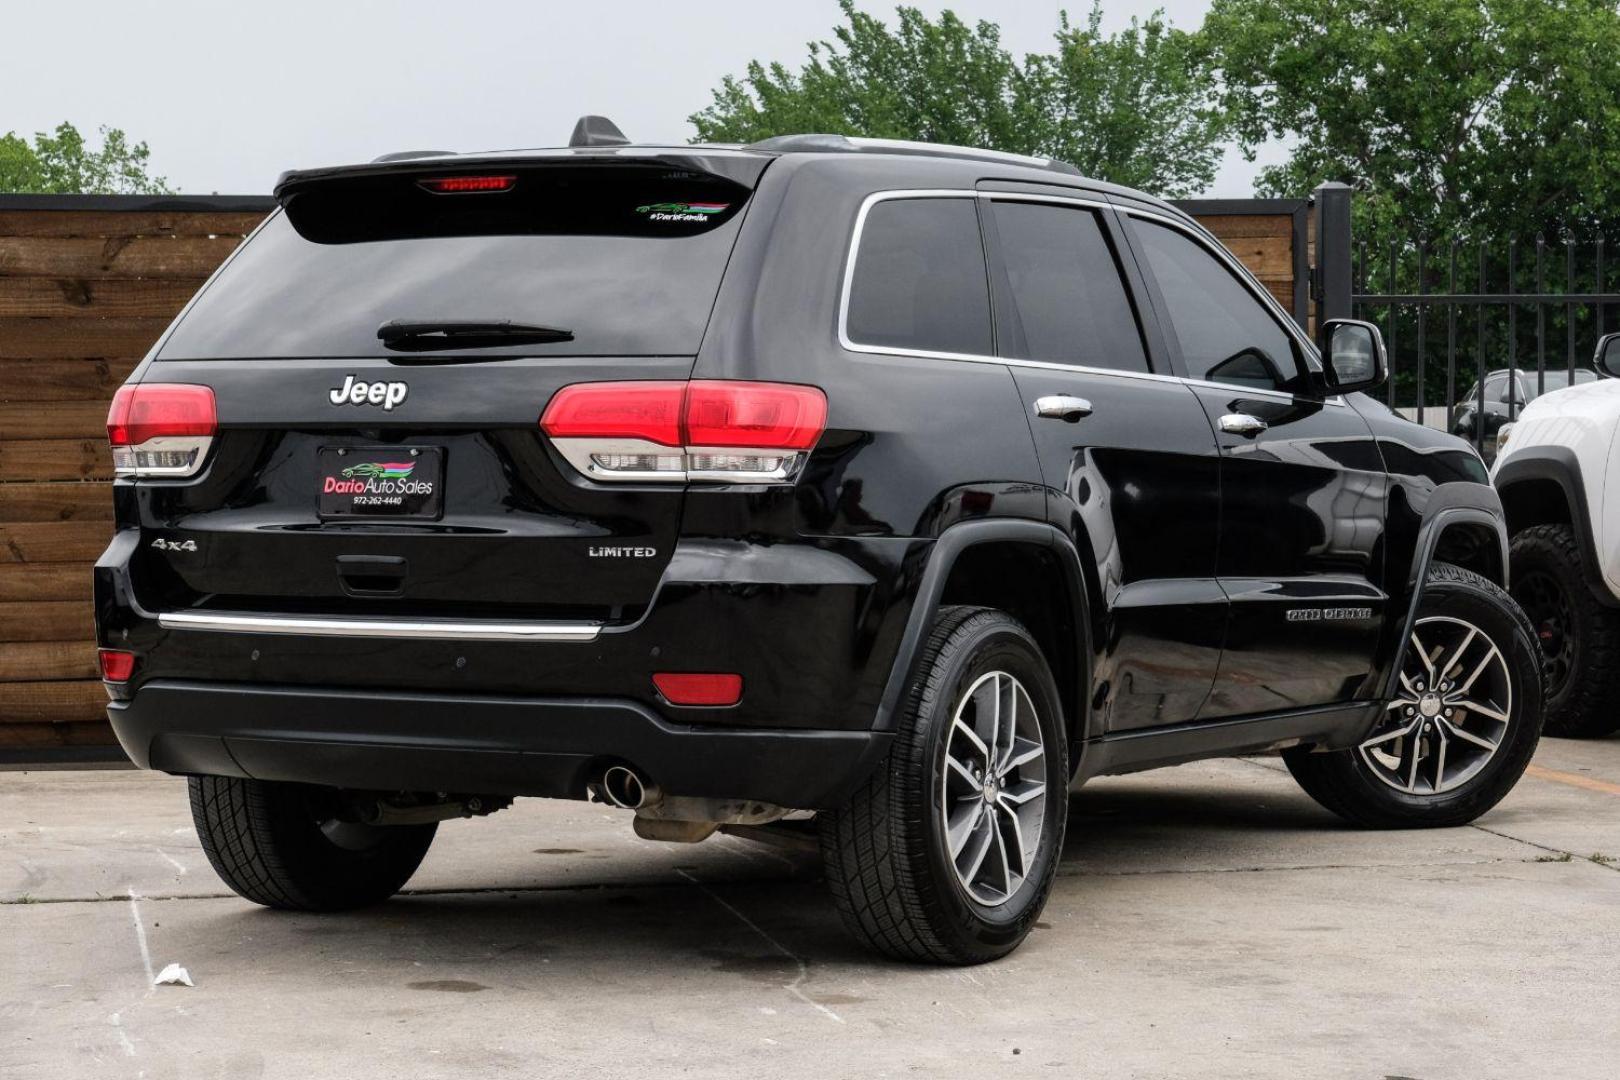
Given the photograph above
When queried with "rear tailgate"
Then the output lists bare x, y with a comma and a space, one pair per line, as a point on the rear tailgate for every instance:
354, 476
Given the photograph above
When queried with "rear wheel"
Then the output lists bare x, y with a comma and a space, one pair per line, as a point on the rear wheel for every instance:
948, 852
1462, 726
1578, 634
289, 845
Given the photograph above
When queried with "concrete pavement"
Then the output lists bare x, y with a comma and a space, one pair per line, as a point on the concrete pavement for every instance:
1210, 921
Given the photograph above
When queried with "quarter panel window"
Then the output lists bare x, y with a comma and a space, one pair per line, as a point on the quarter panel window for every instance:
1066, 287
919, 280
1226, 334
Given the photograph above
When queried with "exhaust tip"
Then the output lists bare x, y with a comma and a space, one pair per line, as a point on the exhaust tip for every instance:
624, 788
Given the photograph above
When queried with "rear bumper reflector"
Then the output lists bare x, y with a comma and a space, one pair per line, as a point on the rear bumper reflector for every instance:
431, 629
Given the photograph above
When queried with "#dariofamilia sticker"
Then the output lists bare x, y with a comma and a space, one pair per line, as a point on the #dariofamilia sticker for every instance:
681, 211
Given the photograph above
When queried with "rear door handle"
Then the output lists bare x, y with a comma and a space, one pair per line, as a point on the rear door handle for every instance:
1063, 407
1242, 424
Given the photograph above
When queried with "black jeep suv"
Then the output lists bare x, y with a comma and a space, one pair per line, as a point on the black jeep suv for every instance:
905, 485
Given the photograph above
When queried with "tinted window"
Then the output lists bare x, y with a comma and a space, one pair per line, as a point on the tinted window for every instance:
1067, 293
629, 260
919, 278
1225, 334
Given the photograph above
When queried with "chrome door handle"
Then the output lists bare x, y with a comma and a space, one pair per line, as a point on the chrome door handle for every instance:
1242, 424
1063, 407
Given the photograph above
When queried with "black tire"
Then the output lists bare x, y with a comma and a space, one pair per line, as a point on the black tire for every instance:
267, 842
885, 852
1579, 635
1344, 782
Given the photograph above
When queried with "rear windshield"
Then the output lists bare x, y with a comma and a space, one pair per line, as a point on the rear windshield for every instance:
627, 258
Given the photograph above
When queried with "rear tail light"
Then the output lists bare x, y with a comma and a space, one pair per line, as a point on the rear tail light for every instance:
715, 690
732, 432
116, 665
468, 185
161, 429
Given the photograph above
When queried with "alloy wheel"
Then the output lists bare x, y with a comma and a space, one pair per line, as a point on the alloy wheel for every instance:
1547, 606
1450, 714
993, 792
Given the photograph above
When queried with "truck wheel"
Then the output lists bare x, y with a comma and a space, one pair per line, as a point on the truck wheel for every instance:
1578, 634
1463, 724
283, 845
947, 853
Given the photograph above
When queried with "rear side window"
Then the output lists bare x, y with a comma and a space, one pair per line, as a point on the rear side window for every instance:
919, 280
1226, 334
626, 258
1067, 293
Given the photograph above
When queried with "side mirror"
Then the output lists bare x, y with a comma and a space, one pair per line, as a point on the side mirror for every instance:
1607, 360
1353, 352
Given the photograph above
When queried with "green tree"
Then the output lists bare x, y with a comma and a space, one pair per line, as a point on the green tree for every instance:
62, 163
1130, 107
1495, 118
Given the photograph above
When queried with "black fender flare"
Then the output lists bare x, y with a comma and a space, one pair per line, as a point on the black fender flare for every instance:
942, 557
1560, 465
1434, 524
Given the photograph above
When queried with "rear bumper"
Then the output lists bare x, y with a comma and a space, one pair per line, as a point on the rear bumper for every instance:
475, 744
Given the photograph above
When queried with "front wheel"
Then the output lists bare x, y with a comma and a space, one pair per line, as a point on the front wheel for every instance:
291, 846
1578, 634
947, 853
1463, 724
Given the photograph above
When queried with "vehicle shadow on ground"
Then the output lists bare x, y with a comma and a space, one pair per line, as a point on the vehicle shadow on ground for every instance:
771, 926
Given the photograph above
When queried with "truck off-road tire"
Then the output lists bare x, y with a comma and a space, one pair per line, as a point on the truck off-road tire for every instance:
1579, 635
948, 851
283, 846
1442, 754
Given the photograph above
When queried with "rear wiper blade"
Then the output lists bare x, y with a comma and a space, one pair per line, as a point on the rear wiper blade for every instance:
408, 334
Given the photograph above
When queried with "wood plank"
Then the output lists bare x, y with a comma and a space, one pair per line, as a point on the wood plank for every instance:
44, 736
63, 380
51, 702
55, 459
54, 541
46, 581
53, 419
141, 256
113, 223
1265, 256
39, 661
67, 501
66, 338
38, 296
1241, 225
50, 620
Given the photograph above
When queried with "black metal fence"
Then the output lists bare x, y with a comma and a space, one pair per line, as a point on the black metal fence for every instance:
1475, 329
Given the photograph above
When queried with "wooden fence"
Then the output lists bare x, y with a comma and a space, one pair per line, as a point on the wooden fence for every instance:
87, 283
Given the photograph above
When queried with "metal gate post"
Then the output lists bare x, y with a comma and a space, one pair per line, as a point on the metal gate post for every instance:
1333, 288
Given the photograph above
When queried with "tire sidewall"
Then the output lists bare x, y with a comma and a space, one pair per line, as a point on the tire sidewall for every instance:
985, 644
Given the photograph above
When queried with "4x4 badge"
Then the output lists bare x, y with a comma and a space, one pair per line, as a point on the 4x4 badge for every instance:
355, 392
174, 545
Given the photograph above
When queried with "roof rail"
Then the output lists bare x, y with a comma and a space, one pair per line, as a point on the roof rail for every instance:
848, 144
410, 155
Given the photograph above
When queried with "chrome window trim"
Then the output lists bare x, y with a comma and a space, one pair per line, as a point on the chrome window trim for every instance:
1247, 279
429, 629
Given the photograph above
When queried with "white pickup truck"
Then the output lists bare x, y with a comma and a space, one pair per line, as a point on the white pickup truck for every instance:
1558, 473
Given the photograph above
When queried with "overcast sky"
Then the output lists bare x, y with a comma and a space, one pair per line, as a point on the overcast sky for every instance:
229, 94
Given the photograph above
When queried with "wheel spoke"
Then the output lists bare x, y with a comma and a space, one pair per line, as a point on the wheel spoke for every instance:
1490, 655
1487, 711
1468, 736
1456, 657
1415, 748
1423, 654
957, 834
972, 737
1378, 740
962, 771
1026, 792
1006, 869
1018, 842
1440, 758
988, 832
987, 715
1023, 752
